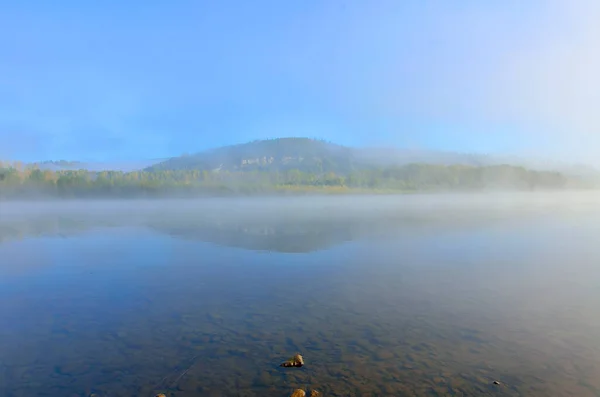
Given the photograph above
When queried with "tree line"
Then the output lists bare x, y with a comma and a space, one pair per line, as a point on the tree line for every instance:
17, 180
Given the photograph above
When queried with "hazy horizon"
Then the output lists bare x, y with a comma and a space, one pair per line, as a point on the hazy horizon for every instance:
387, 149
390, 155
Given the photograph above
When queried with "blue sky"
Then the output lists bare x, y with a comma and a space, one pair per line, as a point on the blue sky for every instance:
148, 79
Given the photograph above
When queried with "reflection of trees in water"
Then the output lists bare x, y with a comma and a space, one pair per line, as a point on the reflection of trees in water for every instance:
41, 226
282, 236
306, 232
267, 232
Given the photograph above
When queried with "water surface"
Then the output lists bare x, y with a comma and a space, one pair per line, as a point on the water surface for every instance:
415, 295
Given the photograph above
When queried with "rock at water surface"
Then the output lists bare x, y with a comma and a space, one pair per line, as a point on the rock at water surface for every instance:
496, 382
296, 361
314, 393
298, 393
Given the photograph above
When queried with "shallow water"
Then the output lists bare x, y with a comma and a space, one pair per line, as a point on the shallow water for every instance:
419, 295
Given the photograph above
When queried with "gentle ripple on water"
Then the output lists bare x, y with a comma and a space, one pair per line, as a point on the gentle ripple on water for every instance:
377, 309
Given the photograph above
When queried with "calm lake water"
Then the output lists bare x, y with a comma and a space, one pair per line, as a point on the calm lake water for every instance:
388, 296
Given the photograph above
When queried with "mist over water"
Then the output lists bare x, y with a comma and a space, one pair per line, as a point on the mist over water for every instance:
383, 295
348, 205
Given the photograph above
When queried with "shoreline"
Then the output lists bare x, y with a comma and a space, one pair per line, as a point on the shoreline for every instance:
281, 193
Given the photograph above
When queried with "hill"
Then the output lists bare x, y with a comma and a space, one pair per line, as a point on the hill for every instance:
280, 154
317, 156
312, 156
287, 165
308, 155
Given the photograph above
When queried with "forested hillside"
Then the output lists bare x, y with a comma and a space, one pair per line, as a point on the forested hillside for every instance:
308, 155
295, 165
271, 155
33, 182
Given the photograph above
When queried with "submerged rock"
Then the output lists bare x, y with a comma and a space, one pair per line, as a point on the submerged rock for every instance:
296, 361
298, 393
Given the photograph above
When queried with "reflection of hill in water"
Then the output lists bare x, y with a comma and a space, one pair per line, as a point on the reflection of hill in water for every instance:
286, 235
291, 235
292, 227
